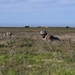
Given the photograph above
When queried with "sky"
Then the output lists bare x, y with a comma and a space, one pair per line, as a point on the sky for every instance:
37, 13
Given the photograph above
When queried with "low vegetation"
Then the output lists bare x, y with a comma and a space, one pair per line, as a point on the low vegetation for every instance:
22, 54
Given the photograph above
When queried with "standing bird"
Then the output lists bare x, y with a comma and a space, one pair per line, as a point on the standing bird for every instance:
7, 34
46, 36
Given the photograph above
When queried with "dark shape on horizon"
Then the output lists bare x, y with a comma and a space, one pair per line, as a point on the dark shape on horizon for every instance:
27, 26
67, 26
39, 27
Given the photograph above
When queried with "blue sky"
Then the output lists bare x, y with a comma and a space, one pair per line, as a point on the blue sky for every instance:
37, 12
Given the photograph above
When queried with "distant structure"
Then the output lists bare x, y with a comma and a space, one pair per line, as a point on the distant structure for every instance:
46, 27
27, 26
67, 26
46, 36
39, 27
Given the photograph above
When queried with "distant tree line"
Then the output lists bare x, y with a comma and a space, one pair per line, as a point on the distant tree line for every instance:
67, 26
27, 26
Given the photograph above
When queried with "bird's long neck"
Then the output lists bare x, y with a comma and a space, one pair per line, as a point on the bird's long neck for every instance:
44, 36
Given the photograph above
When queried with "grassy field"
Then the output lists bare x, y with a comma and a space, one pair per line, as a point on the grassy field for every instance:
25, 53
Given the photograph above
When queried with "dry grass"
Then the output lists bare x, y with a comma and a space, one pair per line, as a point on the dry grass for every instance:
25, 53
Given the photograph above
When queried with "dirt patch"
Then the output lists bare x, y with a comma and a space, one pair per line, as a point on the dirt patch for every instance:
67, 37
